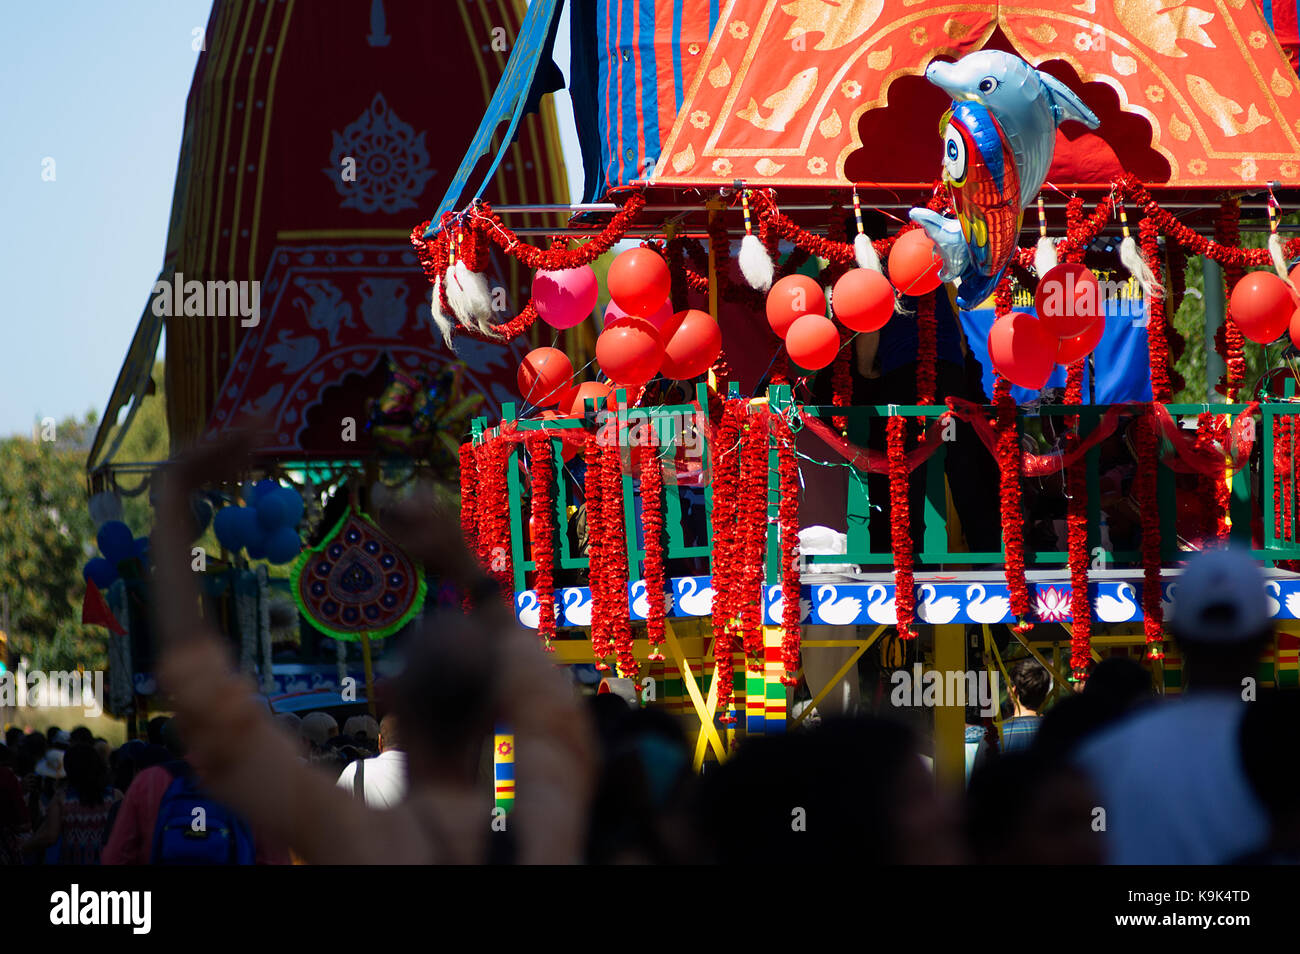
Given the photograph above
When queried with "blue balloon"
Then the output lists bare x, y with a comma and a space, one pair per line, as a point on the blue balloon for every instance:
270, 511
226, 525
264, 487
283, 545
257, 549
249, 530
116, 542
141, 547
292, 505
100, 572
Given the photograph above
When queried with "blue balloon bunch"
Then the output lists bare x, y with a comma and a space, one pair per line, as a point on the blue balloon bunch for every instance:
267, 528
117, 545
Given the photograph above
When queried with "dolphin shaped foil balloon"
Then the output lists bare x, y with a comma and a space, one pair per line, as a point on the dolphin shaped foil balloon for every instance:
998, 140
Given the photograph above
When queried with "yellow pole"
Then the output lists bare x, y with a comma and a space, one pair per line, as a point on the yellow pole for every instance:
950, 721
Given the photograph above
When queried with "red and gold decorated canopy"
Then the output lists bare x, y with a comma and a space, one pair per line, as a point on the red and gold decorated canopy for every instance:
816, 92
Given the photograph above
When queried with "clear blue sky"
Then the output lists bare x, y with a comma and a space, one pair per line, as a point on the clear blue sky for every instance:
99, 87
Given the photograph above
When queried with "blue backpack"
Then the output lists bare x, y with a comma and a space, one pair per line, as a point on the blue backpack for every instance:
225, 839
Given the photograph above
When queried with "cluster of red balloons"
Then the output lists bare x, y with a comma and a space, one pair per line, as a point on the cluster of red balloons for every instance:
862, 300
1265, 307
1068, 323
642, 336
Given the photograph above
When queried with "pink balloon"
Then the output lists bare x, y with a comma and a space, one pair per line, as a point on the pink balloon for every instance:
665, 312
565, 298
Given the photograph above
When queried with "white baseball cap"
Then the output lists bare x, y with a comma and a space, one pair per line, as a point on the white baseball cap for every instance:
1221, 598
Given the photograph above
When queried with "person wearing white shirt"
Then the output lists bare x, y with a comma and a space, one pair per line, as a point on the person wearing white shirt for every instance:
381, 780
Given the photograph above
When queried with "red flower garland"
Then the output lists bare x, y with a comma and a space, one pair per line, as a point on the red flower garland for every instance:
1152, 611
1157, 344
752, 533
468, 504
900, 526
927, 348
542, 522
1076, 518
615, 559
493, 515
726, 477
788, 525
597, 573
652, 526
1009, 469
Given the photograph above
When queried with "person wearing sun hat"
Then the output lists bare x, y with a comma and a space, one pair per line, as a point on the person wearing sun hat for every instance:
51, 766
1171, 778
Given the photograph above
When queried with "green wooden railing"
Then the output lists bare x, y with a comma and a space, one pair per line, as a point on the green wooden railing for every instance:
672, 427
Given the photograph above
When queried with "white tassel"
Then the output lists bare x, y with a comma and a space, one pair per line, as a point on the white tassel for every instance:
1044, 256
865, 252
469, 297
1137, 267
1279, 258
445, 324
756, 264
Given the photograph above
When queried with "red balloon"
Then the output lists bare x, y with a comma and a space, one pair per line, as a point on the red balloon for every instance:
1295, 324
630, 351
1022, 350
638, 281
914, 263
544, 376
863, 300
812, 342
791, 297
693, 346
1070, 350
568, 449
1068, 300
1261, 306
599, 392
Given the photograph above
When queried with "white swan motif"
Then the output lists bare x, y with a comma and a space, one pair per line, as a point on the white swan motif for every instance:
1112, 610
641, 603
577, 610
836, 610
1169, 600
878, 610
530, 610
985, 609
940, 610
1274, 607
776, 609
692, 603
1293, 604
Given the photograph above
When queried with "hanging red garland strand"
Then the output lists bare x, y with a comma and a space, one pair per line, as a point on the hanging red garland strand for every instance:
1227, 231
726, 477
1009, 470
615, 559
1157, 344
788, 527
542, 524
752, 531
602, 645
493, 515
652, 526
1076, 477
469, 490
900, 526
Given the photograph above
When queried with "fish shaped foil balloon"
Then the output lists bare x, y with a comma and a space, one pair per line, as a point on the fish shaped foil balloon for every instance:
998, 140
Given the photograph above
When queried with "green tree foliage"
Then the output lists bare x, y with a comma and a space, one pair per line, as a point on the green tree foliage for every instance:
45, 536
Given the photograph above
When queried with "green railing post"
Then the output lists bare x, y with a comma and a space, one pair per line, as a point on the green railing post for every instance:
778, 402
